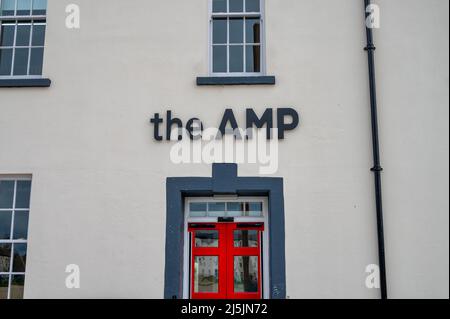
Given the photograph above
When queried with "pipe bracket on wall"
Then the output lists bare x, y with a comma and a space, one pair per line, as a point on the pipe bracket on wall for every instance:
370, 47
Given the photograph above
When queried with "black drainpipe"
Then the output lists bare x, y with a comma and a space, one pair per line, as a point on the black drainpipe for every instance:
377, 169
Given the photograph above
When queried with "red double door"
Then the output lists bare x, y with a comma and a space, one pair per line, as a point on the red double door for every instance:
226, 260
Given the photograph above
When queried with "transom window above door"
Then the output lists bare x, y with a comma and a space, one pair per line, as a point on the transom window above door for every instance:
236, 37
226, 209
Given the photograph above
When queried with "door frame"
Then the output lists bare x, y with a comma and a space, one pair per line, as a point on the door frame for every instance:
265, 286
224, 181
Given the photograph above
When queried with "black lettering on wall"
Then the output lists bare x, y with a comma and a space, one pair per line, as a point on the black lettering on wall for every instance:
194, 131
254, 120
156, 120
282, 125
170, 122
228, 117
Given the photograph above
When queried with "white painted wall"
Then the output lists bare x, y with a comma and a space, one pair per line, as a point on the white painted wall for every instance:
98, 194
412, 61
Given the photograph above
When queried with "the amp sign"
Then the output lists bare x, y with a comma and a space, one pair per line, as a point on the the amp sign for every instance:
287, 119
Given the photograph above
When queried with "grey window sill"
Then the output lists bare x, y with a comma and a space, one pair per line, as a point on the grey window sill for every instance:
236, 80
12, 83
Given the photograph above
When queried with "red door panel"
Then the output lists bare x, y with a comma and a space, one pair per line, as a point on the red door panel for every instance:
244, 261
225, 260
208, 258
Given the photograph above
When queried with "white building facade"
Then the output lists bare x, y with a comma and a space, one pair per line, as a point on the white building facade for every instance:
91, 183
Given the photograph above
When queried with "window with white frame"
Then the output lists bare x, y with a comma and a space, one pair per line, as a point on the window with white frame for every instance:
236, 37
14, 212
22, 37
226, 209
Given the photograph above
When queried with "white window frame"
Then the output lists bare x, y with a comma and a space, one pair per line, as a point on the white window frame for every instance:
244, 219
229, 15
16, 19
11, 240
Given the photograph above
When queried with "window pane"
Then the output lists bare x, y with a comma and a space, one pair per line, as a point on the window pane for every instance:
236, 30
23, 7
236, 5
7, 35
5, 224
235, 209
38, 35
206, 238
4, 282
252, 6
19, 257
5, 67
219, 5
206, 274
253, 58
36, 61
17, 284
246, 238
252, 30
246, 274
39, 7
197, 209
216, 209
20, 225
21, 61
237, 58
23, 194
5, 257
219, 58
219, 31
23, 35
254, 209
8, 7
6, 194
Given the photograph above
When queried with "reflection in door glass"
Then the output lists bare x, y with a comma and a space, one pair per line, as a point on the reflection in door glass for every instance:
206, 238
246, 274
245, 238
206, 276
